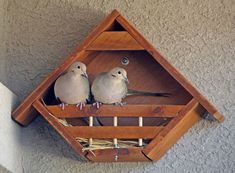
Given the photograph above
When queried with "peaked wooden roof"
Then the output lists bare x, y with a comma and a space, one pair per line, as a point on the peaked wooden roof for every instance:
24, 113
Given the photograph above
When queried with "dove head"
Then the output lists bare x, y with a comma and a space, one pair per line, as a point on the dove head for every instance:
119, 74
78, 68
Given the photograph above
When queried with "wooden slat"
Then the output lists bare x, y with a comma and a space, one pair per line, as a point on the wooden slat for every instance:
112, 110
174, 130
124, 155
171, 70
115, 40
110, 132
23, 114
59, 128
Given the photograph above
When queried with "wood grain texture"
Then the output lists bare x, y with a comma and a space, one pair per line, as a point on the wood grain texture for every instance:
59, 128
110, 132
115, 40
123, 155
186, 118
119, 111
171, 70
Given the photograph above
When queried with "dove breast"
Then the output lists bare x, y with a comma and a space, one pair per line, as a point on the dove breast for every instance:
72, 89
107, 90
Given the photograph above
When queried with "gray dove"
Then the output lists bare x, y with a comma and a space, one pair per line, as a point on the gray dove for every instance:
112, 87
73, 87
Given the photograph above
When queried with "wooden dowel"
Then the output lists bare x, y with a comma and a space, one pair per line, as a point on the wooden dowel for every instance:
90, 124
115, 122
141, 125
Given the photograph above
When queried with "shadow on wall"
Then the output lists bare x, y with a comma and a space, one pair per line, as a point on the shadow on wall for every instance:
39, 35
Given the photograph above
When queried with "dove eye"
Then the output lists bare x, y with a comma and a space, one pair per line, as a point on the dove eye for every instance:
119, 72
79, 67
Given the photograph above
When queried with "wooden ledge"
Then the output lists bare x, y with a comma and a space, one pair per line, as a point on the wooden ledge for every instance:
110, 132
166, 111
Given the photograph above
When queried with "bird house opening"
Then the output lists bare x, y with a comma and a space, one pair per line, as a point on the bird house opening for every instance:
144, 74
137, 122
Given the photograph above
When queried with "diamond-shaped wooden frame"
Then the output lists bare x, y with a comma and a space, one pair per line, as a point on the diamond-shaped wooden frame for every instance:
126, 37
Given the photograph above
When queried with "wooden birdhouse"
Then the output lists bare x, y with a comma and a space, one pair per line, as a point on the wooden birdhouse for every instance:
142, 130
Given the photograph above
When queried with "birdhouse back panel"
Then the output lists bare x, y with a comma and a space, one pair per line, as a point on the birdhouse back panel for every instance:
144, 73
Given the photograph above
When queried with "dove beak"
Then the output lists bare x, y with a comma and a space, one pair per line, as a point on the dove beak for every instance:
85, 75
126, 79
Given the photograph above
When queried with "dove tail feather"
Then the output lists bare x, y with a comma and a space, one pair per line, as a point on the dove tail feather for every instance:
144, 93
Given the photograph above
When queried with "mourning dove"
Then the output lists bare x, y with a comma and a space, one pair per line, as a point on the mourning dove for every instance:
111, 87
73, 87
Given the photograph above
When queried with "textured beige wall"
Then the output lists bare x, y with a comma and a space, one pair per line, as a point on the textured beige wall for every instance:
2, 46
196, 36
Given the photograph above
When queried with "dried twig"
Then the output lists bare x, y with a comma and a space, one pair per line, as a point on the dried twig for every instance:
106, 144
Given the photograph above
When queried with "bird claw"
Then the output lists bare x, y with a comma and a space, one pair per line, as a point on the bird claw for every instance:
97, 104
120, 103
62, 106
80, 105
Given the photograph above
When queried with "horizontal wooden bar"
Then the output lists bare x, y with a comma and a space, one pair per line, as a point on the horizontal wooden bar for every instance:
118, 155
119, 111
110, 132
115, 40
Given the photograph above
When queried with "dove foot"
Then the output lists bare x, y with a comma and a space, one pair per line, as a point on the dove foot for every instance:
62, 106
120, 103
97, 104
80, 105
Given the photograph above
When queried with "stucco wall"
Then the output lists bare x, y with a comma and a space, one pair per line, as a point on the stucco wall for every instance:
2, 47
197, 37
